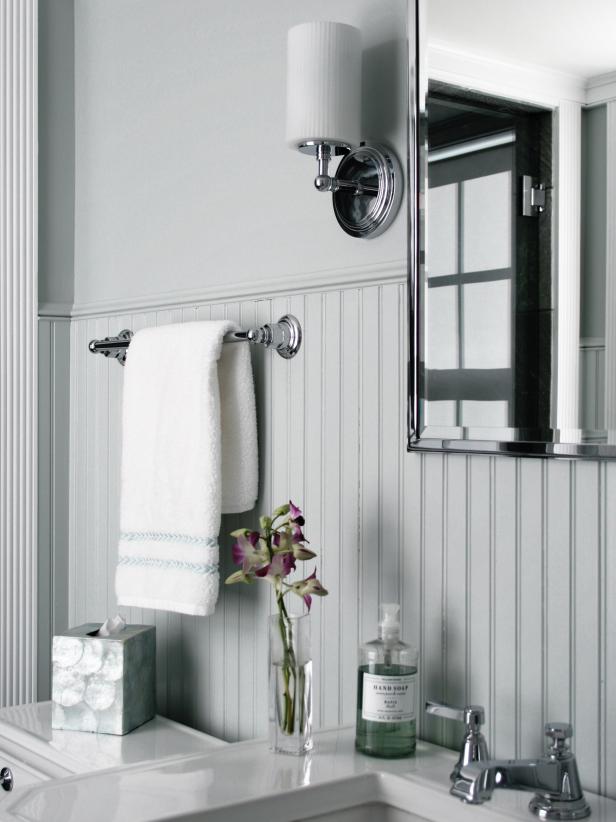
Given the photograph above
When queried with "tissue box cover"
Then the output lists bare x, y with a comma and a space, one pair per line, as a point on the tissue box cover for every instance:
103, 684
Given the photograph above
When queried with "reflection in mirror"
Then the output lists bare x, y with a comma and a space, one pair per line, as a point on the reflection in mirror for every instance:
516, 301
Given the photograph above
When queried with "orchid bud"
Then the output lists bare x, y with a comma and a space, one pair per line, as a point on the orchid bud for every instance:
301, 552
239, 576
265, 523
281, 511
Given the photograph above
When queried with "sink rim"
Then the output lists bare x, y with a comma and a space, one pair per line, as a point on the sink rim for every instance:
207, 787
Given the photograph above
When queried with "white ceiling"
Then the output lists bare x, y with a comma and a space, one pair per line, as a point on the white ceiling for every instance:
573, 36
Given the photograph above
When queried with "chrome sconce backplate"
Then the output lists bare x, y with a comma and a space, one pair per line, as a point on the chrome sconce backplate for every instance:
370, 208
367, 189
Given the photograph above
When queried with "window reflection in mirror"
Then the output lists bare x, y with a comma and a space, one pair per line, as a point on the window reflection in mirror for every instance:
488, 273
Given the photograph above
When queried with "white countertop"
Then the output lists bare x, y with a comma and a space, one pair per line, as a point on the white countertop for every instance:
26, 733
245, 781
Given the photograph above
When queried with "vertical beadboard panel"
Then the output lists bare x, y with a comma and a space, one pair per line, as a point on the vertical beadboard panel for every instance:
349, 504
504, 567
53, 451
432, 671
330, 556
558, 588
530, 607
370, 459
585, 714
607, 782
480, 638
455, 584
504, 716
18, 349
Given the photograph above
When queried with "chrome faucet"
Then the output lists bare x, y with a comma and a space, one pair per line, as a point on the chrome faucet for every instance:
554, 778
474, 746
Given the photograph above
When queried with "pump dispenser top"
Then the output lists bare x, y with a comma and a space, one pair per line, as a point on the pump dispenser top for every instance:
389, 625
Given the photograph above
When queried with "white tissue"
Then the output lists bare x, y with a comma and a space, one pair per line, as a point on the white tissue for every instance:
112, 626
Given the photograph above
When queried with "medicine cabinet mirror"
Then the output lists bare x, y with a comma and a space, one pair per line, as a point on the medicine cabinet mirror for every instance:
513, 244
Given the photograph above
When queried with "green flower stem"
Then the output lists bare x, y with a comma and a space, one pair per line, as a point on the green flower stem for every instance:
289, 664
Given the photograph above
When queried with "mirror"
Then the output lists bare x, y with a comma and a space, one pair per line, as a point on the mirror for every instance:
514, 294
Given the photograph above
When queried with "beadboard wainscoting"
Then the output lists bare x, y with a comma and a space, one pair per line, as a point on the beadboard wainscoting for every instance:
505, 568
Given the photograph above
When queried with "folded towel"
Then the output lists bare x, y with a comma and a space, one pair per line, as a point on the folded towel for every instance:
179, 462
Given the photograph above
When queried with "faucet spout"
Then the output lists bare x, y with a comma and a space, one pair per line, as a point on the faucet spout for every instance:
554, 779
476, 782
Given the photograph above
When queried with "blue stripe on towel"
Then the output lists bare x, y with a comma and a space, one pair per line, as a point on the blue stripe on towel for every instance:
157, 536
168, 564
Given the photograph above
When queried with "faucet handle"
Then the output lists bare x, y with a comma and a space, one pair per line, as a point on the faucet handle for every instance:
559, 733
473, 716
474, 746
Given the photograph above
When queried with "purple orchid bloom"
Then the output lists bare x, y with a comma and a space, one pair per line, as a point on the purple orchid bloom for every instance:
248, 552
280, 566
295, 514
309, 587
292, 541
297, 533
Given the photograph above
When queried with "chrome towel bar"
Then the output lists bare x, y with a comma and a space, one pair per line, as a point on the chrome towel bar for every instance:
285, 337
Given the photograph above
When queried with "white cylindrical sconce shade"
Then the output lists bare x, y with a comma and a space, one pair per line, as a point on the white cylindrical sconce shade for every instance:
323, 84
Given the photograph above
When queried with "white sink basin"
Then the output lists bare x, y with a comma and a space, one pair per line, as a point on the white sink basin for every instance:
247, 783
372, 812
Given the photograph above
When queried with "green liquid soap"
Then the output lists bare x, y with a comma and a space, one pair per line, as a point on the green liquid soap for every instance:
387, 692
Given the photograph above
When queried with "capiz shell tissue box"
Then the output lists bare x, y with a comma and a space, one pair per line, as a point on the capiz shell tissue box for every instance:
103, 684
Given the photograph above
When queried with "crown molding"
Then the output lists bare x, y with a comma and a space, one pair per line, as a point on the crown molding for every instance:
601, 89
524, 82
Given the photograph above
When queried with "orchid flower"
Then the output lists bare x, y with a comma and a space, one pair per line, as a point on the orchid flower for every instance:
309, 587
249, 550
291, 541
279, 568
295, 514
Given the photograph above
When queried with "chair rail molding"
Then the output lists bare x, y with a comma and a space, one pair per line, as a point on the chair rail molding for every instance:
18, 348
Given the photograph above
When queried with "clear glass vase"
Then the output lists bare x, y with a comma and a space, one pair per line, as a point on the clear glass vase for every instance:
290, 684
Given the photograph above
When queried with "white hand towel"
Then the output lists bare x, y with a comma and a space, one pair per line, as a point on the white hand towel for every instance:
179, 462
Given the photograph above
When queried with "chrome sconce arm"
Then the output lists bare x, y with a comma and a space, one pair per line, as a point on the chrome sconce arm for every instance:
323, 181
367, 189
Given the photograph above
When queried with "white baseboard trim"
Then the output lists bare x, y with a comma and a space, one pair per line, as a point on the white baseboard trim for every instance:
331, 280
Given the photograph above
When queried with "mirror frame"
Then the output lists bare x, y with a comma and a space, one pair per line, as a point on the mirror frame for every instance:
416, 187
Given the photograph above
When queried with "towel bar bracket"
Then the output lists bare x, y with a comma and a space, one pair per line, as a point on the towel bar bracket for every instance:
116, 347
285, 337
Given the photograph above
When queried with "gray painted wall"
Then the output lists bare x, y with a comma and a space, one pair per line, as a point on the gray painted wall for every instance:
56, 152
183, 177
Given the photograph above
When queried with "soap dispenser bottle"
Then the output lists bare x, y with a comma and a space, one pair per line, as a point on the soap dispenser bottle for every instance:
386, 691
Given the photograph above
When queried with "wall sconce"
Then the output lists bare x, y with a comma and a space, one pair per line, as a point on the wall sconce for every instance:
324, 120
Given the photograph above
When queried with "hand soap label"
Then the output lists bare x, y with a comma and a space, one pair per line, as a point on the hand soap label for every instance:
388, 698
